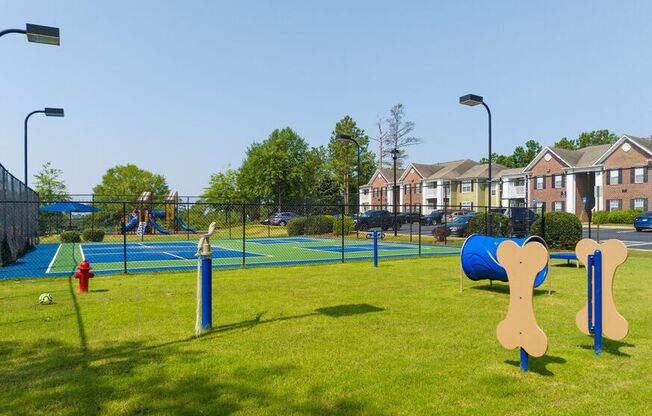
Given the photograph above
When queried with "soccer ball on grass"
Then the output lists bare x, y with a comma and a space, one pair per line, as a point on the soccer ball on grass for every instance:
45, 299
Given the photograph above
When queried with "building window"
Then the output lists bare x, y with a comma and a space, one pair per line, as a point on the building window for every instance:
365, 192
519, 182
494, 188
466, 205
615, 204
639, 203
557, 181
417, 188
407, 188
614, 177
638, 175
540, 182
541, 206
558, 206
467, 187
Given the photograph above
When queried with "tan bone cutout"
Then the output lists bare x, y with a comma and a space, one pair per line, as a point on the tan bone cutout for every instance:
614, 253
520, 328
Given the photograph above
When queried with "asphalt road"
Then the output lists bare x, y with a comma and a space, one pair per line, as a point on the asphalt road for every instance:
631, 238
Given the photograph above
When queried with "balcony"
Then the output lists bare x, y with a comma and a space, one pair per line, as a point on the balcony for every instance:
513, 191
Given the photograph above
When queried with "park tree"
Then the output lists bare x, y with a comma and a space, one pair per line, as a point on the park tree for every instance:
223, 187
380, 138
278, 168
596, 137
520, 158
49, 185
124, 183
342, 157
566, 143
399, 134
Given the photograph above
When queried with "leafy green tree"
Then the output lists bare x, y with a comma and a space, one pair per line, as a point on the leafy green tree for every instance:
223, 187
523, 156
565, 143
278, 168
124, 183
49, 185
596, 137
342, 157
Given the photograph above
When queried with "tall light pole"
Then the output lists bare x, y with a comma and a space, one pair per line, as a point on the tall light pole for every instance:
473, 100
37, 34
348, 138
50, 112
395, 153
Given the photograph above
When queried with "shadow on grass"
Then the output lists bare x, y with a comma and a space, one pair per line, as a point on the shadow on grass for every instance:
338, 311
539, 365
612, 347
504, 288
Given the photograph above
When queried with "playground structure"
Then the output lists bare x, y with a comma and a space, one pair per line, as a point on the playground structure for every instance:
523, 263
144, 218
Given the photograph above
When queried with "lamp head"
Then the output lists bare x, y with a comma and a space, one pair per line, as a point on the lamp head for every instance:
53, 112
42, 34
470, 100
343, 137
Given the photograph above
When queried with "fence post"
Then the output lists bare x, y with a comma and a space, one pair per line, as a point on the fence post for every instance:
124, 235
244, 231
342, 228
228, 218
420, 213
543, 221
187, 217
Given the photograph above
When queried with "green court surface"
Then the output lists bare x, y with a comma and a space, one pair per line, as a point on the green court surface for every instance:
178, 255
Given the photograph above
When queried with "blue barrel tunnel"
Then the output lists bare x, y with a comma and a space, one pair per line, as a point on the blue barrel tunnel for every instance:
479, 258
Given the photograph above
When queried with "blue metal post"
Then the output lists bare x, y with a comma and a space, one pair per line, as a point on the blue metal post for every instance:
597, 327
589, 298
375, 248
524, 360
206, 292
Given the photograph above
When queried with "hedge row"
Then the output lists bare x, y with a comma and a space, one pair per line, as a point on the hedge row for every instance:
615, 217
318, 224
90, 235
563, 230
499, 224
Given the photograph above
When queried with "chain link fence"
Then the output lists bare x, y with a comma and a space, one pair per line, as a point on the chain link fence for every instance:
18, 218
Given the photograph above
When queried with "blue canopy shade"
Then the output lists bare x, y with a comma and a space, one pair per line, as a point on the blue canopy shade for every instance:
69, 207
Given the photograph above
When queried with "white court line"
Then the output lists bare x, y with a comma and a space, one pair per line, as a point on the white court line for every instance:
173, 255
53, 258
626, 231
81, 250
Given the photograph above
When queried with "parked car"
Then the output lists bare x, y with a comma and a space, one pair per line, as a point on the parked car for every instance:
459, 226
435, 217
643, 221
459, 213
374, 219
280, 218
408, 217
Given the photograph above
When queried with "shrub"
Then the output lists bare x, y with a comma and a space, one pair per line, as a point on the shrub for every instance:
348, 225
441, 232
499, 224
92, 235
296, 226
319, 224
70, 237
600, 217
562, 230
624, 217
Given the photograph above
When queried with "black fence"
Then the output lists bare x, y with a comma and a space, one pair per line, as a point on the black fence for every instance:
131, 237
18, 218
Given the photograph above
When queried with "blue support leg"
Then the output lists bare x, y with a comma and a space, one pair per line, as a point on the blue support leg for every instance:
589, 297
375, 248
597, 327
206, 293
524, 360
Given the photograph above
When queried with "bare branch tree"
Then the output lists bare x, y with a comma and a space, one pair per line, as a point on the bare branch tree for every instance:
380, 139
399, 134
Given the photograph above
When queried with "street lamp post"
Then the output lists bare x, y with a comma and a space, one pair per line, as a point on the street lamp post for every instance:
395, 153
473, 100
37, 34
50, 112
347, 138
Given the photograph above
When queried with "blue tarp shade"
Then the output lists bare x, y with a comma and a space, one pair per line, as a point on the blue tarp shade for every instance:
69, 207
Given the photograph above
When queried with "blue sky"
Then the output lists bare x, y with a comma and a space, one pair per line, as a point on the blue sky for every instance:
182, 88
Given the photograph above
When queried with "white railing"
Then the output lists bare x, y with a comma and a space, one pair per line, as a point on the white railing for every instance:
514, 191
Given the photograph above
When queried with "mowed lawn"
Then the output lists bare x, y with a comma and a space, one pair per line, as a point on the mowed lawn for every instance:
334, 339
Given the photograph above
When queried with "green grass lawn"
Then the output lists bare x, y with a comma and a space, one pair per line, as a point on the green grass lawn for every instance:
335, 339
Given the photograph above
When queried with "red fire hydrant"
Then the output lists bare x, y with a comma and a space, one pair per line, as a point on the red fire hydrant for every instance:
83, 275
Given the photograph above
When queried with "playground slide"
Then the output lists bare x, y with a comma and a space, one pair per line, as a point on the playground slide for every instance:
132, 222
158, 227
184, 226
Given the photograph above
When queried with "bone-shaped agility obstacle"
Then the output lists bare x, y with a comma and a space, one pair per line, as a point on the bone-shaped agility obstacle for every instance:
520, 328
599, 316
